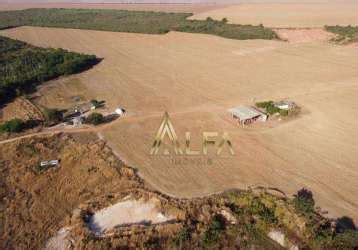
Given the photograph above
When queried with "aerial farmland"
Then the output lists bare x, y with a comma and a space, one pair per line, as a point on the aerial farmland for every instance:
197, 76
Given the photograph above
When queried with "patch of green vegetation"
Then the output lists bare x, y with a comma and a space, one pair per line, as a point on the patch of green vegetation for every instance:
304, 202
266, 214
345, 240
13, 126
216, 228
147, 22
271, 109
182, 237
23, 66
221, 28
345, 33
95, 119
53, 116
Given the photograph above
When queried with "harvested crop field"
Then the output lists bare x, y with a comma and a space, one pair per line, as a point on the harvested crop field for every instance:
196, 78
191, 8
288, 15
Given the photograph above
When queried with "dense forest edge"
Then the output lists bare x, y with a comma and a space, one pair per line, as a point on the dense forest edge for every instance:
147, 22
23, 66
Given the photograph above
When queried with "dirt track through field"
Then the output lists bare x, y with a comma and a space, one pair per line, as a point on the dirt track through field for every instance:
196, 78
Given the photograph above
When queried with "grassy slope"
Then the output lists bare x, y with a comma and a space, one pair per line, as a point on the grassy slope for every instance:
130, 21
23, 66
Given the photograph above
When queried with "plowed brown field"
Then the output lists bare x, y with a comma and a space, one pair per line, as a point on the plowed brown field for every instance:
196, 78
288, 15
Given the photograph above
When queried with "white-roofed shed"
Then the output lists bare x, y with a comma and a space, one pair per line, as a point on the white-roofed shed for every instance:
246, 115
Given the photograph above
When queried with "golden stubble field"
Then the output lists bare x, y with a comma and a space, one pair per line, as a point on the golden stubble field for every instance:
196, 78
288, 15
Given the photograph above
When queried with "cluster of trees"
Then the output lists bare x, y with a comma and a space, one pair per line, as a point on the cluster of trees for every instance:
17, 125
271, 109
345, 34
22, 66
346, 31
222, 28
13, 126
343, 236
148, 22
95, 119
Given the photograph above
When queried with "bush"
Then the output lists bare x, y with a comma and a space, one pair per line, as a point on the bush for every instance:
182, 237
283, 112
265, 213
346, 240
53, 116
264, 105
269, 107
95, 119
12, 126
216, 227
304, 201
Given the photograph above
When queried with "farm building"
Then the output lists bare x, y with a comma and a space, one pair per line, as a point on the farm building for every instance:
78, 110
285, 105
246, 115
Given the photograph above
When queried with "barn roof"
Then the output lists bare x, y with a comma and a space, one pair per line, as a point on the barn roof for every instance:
244, 112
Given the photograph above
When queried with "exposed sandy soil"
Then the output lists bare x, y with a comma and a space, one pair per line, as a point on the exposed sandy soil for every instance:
288, 15
126, 213
191, 8
304, 35
197, 78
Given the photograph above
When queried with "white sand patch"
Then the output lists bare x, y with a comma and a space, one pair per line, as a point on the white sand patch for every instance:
125, 213
277, 236
60, 241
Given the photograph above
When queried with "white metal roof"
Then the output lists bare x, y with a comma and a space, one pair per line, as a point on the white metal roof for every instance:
244, 112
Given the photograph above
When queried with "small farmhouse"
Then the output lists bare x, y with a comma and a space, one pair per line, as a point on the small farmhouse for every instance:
247, 115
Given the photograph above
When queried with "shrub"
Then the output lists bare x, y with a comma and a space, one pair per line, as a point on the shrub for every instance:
95, 119
265, 213
215, 229
53, 116
269, 107
346, 240
264, 104
283, 112
181, 237
12, 126
304, 201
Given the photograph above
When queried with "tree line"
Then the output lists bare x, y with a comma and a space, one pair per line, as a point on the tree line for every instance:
148, 22
23, 67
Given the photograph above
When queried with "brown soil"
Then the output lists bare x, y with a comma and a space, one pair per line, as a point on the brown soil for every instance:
35, 203
197, 78
21, 108
289, 14
304, 35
